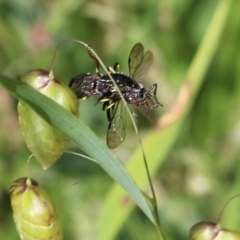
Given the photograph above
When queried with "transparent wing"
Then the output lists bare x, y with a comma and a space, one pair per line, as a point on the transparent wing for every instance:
135, 58
139, 62
141, 71
116, 132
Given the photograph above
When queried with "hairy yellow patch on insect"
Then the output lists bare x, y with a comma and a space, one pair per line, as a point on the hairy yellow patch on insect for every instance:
34, 212
45, 142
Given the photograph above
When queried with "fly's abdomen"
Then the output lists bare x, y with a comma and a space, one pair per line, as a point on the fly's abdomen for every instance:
84, 85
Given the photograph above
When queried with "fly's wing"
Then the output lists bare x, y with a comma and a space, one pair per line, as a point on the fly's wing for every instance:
135, 58
139, 62
116, 132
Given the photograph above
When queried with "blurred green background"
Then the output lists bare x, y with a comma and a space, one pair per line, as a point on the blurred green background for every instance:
199, 174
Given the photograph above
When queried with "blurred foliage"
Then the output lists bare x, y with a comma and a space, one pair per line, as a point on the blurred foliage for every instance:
200, 172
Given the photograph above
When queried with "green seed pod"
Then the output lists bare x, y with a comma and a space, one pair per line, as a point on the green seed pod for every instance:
212, 231
34, 212
203, 231
45, 142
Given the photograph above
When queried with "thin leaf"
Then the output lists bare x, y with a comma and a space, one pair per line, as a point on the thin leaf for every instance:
80, 134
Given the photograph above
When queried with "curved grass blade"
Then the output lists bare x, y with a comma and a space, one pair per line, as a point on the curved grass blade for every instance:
80, 134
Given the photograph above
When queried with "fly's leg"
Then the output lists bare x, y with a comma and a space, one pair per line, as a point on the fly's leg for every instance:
113, 69
95, 59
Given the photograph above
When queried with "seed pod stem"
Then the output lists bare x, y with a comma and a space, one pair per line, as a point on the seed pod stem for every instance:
224, 207
59, 45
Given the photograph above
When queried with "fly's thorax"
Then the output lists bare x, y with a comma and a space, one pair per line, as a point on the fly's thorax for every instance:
143, 97
133, 96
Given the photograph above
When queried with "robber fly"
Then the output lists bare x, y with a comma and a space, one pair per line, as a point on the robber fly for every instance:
87, 85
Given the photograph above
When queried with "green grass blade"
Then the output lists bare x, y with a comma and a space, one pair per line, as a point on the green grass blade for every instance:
80, 134
160, 140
